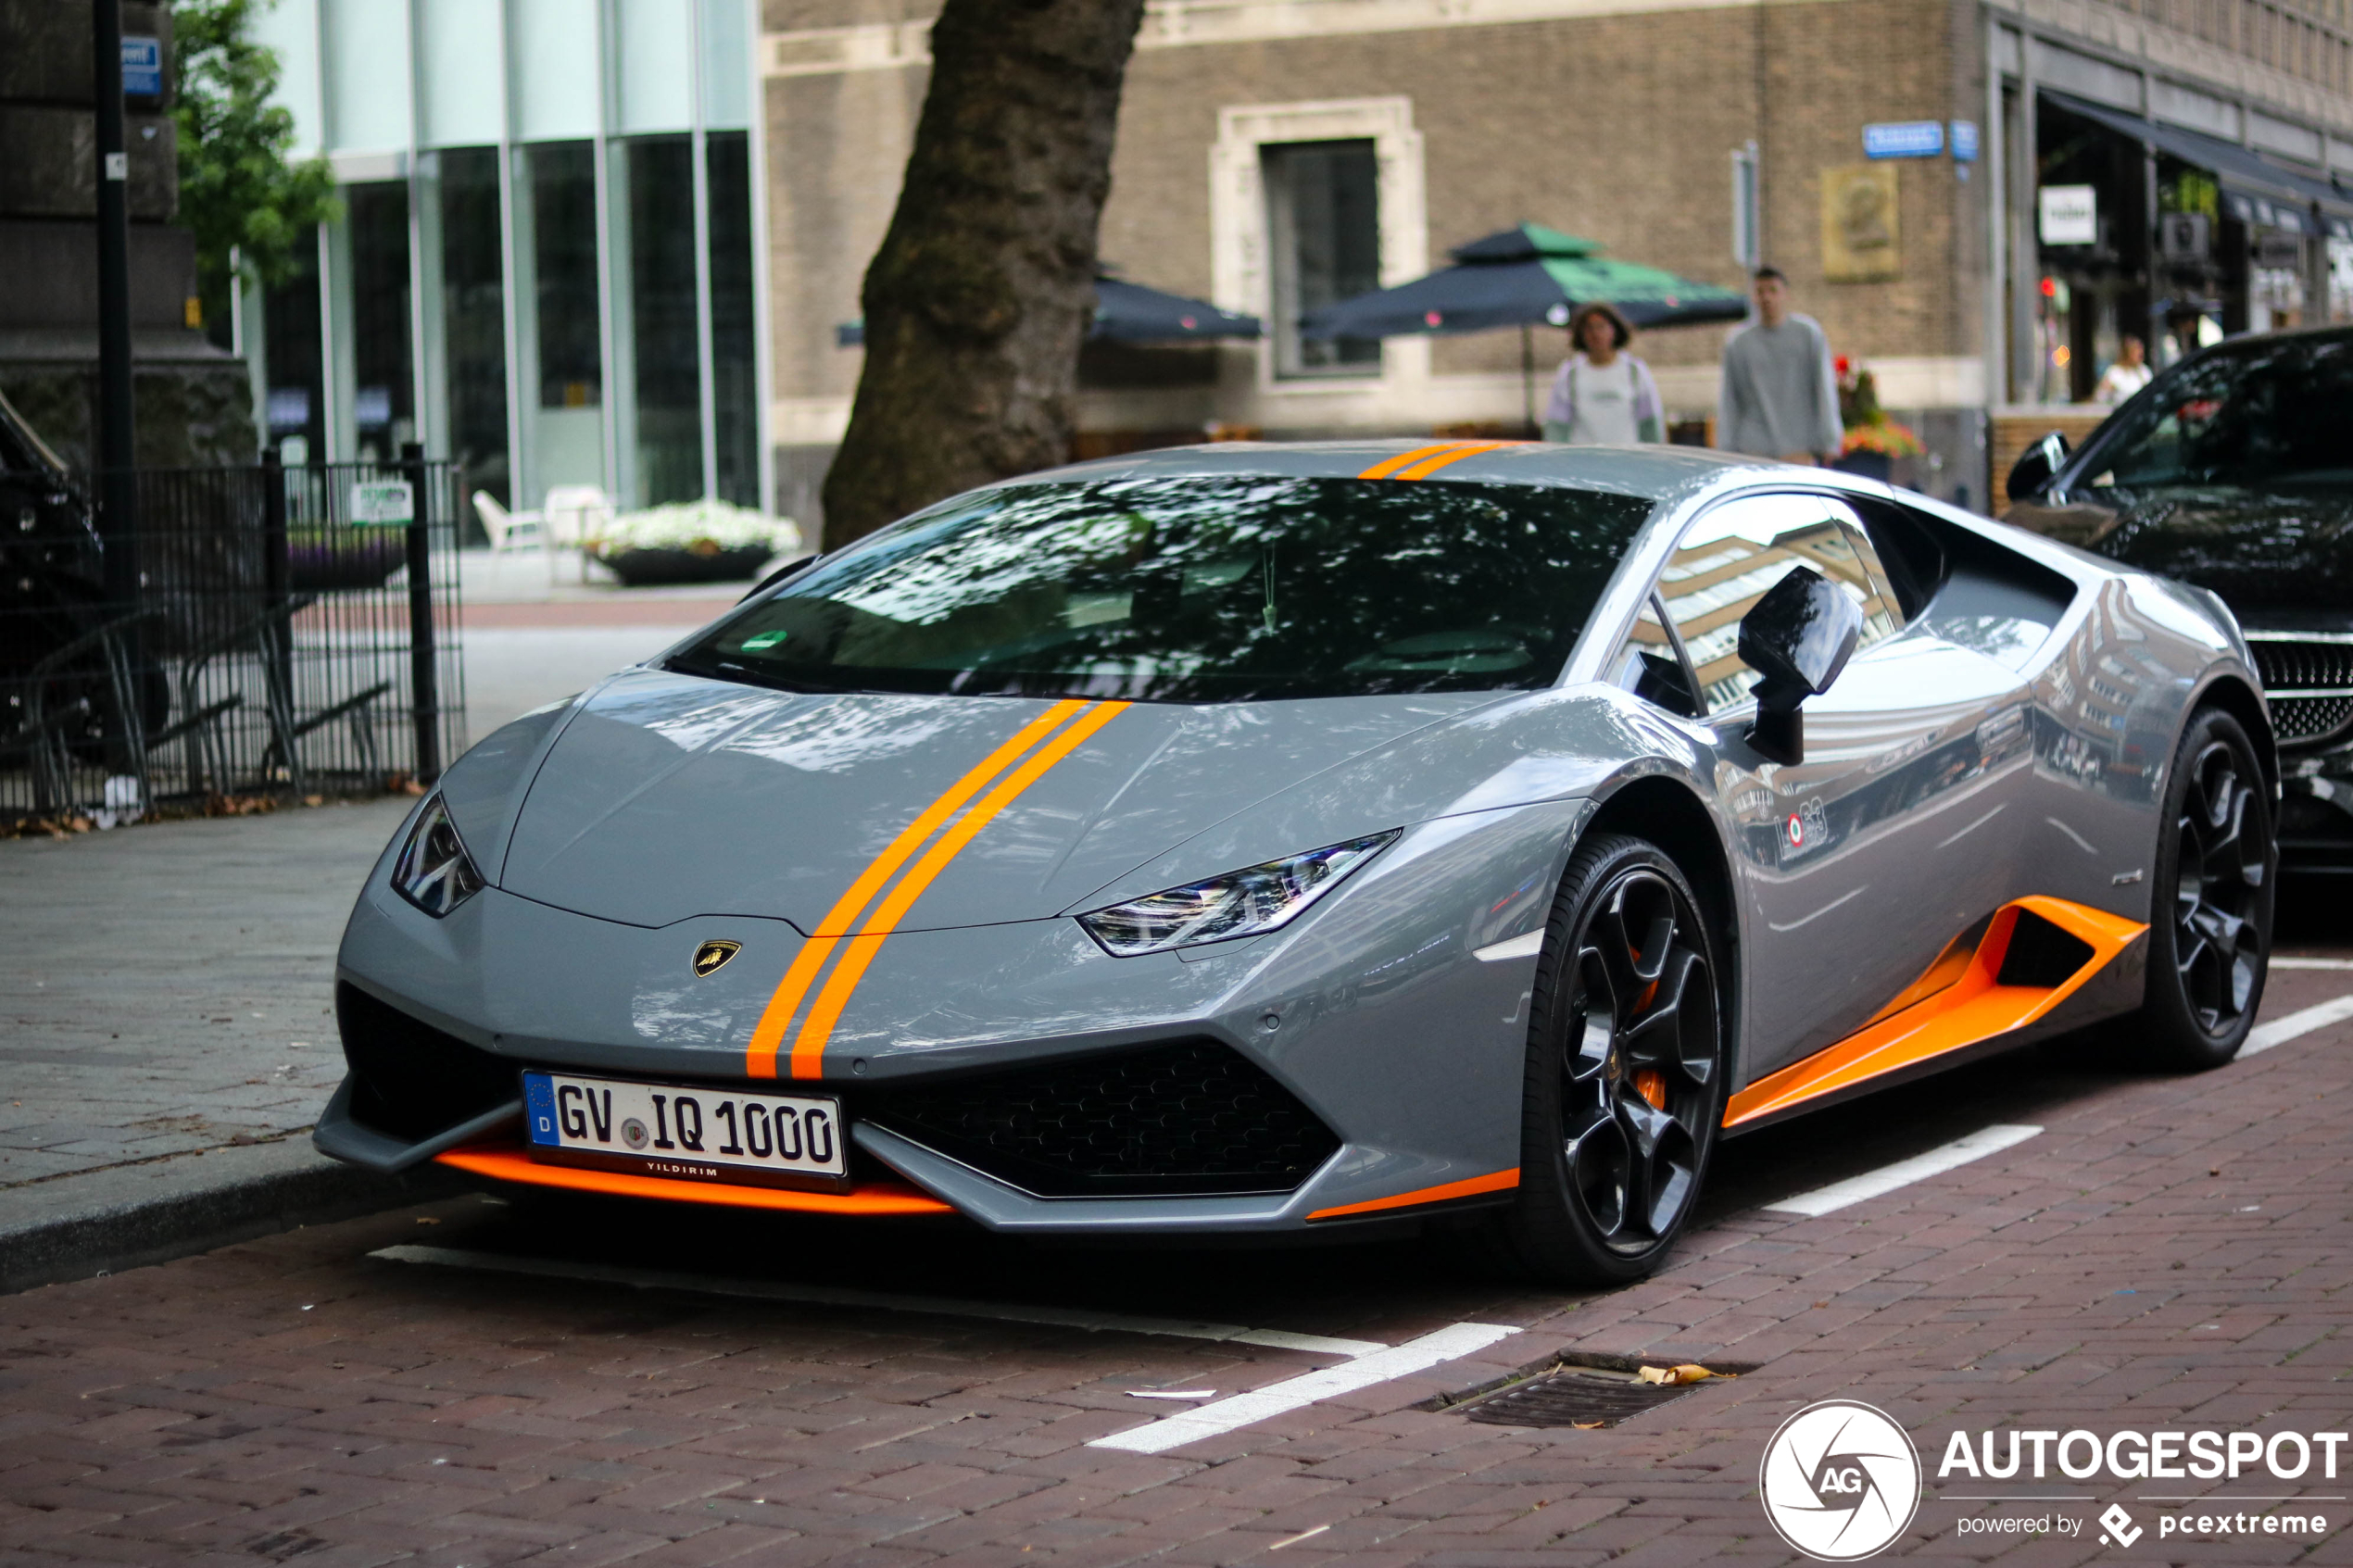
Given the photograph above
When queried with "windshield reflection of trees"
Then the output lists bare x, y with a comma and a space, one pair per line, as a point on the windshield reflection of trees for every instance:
1184, 589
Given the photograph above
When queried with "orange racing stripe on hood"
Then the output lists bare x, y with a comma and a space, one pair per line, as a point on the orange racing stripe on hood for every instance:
809, 1046
1388, 466
1429, 465
760, 1060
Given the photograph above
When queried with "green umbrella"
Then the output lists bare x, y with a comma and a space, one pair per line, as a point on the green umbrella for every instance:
1520, 277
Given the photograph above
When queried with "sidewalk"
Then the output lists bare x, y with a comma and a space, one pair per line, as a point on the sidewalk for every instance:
169, 995
168, 991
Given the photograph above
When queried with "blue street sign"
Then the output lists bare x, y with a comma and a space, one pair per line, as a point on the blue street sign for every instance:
1965, 141
142, 66
1909, 138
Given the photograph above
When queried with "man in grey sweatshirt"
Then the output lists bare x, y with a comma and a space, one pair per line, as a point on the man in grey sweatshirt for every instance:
1779, 396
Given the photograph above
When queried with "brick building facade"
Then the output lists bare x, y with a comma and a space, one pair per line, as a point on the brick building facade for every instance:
1622, 123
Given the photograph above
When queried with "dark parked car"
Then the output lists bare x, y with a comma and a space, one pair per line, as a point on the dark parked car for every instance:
2234, 471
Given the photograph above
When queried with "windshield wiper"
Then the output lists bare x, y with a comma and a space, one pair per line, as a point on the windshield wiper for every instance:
743, 674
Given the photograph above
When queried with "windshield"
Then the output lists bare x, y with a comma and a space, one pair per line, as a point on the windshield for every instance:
2271, 414
1195, 590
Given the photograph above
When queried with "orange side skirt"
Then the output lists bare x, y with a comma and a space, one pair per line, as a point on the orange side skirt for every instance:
874, 1198
1969, 1008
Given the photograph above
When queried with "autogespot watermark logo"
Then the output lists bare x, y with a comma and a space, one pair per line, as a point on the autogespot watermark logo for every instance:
1840, 1480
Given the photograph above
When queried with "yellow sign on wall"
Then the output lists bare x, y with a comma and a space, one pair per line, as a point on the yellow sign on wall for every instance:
1861, 240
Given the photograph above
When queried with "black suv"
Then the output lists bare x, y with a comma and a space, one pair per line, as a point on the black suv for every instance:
2234, 471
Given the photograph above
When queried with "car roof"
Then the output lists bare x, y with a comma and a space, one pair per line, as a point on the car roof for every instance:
1652, 472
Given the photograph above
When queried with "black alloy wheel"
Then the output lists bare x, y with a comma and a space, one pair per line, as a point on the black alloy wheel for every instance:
2211, 919
1626, 1069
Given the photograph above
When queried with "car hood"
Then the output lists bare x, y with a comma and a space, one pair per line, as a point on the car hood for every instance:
2282, 550
670, 796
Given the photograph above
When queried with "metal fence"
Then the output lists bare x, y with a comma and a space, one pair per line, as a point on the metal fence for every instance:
293, 631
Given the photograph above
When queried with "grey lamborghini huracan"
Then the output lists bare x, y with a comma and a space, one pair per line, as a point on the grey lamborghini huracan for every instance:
1268, 838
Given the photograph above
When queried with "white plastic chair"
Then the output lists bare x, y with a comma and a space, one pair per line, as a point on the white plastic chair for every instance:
572, 515
507, 530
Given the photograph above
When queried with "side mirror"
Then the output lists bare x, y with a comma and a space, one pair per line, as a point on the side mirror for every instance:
2035, 465
1798, 636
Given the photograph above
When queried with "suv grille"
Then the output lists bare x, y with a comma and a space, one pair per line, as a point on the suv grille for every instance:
1194, 1118
2308, 682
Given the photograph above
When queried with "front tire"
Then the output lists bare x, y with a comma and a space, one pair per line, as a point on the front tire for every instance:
1626, 1069
2210, 915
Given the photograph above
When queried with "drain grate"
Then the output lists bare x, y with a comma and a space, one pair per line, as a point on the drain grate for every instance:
1573, 1396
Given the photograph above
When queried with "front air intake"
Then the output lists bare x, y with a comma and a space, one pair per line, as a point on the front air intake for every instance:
410, 1080
1196, 1118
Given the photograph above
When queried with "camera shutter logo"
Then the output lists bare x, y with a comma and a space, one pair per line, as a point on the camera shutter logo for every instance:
1839, 1481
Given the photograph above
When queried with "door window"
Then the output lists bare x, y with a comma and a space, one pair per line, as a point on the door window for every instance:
1732, 556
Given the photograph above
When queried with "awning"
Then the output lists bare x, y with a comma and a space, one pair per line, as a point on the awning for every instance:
2255, 190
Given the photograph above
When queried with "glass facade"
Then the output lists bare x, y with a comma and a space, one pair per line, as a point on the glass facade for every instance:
293, 404
473, 317
662, 318
383, 410
545, 266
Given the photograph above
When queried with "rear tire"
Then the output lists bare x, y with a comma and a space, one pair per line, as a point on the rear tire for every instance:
2216, 879
1626, 1069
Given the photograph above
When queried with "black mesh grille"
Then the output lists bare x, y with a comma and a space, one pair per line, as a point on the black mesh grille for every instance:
1195, 1117
2309, 718
409, 1079
2289, 664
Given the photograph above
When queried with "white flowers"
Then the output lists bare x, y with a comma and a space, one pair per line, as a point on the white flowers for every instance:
705, 527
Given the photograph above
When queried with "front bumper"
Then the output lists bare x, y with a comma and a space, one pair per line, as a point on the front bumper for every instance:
1358, 1064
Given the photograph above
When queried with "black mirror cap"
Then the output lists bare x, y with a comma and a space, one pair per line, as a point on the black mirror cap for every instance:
1799, 637
2032, 473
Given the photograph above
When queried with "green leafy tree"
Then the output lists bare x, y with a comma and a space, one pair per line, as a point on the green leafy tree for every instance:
240, 194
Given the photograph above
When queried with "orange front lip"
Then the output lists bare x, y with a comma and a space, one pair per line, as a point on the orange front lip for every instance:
872, 1198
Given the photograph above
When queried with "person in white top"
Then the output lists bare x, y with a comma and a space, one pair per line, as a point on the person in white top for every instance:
2128, 375
1603, 395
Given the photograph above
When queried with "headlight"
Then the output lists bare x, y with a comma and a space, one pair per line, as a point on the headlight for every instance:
434, 872
1241, 903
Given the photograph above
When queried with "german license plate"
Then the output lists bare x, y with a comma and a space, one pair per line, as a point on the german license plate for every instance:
686, 1131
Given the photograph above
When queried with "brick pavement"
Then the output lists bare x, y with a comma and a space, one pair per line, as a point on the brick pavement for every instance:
2171, 1251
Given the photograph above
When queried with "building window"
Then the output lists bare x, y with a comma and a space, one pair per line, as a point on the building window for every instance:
567, 438
1323, 230
296, 408
669, 381
473, 318
734, 365
383, 412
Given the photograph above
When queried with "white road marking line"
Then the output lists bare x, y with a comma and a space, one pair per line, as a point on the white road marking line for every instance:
1818, 914
1172, 1393
1264, 1404
1904, 1173
2080, 843
1972, 827
2280, 960
1523, 946
885, 1301
2280, 1031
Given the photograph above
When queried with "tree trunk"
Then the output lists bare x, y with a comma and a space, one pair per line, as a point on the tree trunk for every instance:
977, 303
